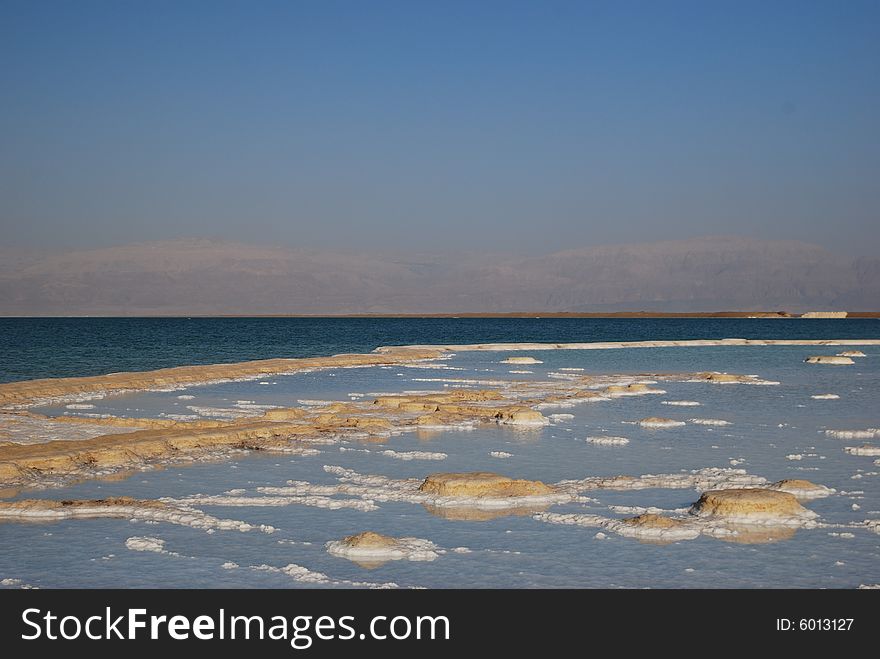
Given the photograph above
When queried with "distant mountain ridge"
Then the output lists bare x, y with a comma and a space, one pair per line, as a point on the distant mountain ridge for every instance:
197, 276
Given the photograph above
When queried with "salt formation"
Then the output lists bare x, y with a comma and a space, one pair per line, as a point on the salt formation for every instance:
521, 360
864, 450
121, 508
829, 359
659, 422
825, 397
482, 484
709, 422
522, 416
608, 441
851, 353
681, 403
801, 489
146, 543
414, 455
752, 506
868, 433
635, 389
374, 549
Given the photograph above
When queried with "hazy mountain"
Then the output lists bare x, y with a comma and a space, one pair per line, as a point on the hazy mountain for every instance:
204, 277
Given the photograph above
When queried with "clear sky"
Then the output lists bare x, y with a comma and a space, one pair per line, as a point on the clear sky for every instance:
528, 126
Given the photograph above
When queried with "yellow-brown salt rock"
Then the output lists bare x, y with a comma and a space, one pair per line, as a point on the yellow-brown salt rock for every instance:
369, 540
635, 389
521, 416
482, 484
750, 502
51, 504
851, 353
653, 521
723, 378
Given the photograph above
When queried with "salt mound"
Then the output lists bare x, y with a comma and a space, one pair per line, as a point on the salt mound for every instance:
802, 489
521, 360
635, 389
654, 529
825, 397
681, 403
481, 484
828, 359
372, 549
851, 353
521, 416
710, 422
608, 441
659, 422
752, 504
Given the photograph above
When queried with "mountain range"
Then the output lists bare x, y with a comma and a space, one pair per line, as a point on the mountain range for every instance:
200, 276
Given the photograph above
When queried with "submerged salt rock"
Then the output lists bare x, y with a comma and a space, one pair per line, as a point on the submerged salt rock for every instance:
521, 360
829, 359
757, 504
635, 389
482, 484
659, 422
802, 489
851, 353
521, 416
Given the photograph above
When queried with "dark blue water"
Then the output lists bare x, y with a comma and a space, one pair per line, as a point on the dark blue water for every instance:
62, 347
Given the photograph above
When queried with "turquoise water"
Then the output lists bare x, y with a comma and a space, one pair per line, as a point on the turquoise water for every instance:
767, 425
63, 347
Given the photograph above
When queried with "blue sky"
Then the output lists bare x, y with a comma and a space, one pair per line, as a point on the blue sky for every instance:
526, 126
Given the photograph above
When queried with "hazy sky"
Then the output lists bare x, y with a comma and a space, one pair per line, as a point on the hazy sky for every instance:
531, 126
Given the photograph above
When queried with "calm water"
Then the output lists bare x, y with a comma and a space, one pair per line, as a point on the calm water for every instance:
63, 347
768, 425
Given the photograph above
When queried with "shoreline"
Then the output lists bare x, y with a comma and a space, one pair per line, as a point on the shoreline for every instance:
754, 315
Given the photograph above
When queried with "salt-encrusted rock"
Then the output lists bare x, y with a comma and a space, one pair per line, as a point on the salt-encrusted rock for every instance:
371, 549
835, 360
825, 397
724, 378
864, 450
521, 416
802, 489
521, 360
758, 504
653, 521
482, 484
659, 422
851, 353
608, 441
635, 389
867, 433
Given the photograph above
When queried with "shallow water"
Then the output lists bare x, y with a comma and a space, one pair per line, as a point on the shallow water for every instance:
767, 424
